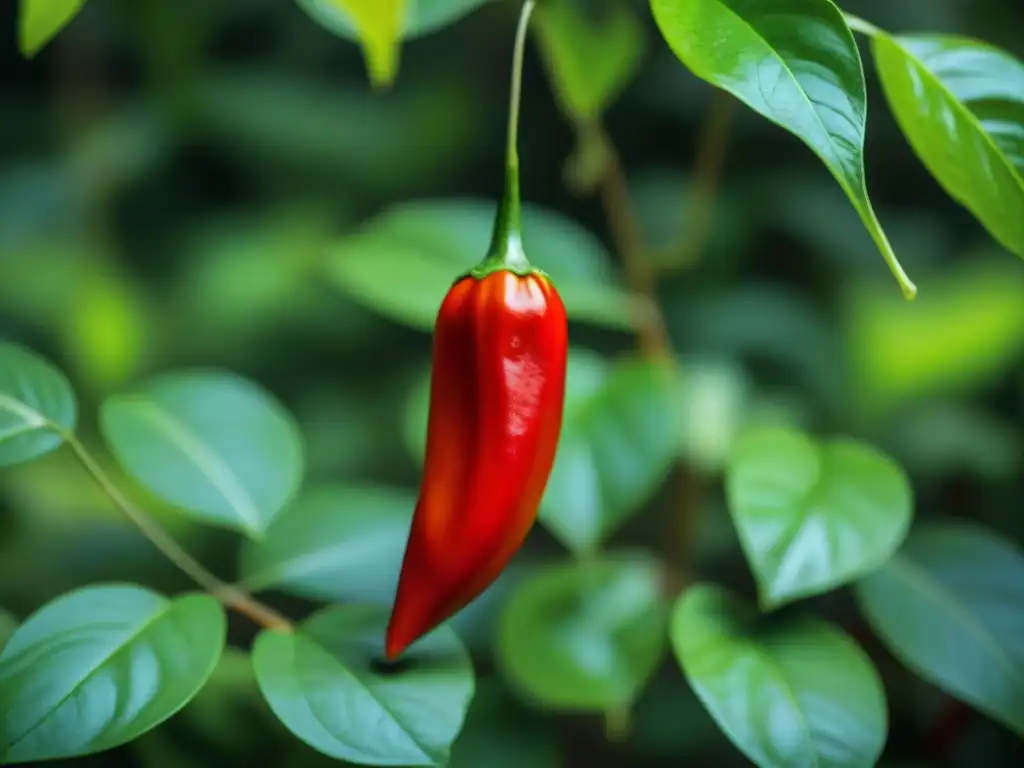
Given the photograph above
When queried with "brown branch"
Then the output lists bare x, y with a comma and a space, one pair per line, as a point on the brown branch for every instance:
229, 595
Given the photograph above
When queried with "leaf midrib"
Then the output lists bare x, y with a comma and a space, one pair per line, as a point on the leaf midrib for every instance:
163, 611
343, 668
810, 105
31, 417
787, 687
206, 461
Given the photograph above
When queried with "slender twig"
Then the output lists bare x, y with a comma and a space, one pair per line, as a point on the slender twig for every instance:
653, 337
231, 596
711, 147
652, 333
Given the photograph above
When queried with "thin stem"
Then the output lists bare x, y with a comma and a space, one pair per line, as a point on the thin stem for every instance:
711, 146
229, 595
512, 152
857, 24
625, 230
506, 251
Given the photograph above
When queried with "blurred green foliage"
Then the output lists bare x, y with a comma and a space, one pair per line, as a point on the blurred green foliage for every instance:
196, 185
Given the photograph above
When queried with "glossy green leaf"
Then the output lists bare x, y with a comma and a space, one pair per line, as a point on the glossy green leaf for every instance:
100, 666
964, 334
421, 17
403, 262
378, 25
40, 20
960, 103
334, 543
814, 516
212, 443
325, 683
798, 693
950, 605
796, 63
34, 398
590, 57
617, 445
585, 635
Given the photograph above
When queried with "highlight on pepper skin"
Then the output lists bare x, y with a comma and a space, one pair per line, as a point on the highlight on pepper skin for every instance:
496, 400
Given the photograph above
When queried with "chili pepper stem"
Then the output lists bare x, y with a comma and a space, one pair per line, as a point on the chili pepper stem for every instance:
506, 249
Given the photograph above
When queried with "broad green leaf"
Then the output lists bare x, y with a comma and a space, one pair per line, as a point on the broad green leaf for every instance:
403, 262
960, 103
421, 17
799, 693
212, 443
796, 63
618, 442
334, 543
950, 605
34, 398
585, 635
590, 58
40, 20
100, 666
962, 335
814, 516
325, 682
377, 23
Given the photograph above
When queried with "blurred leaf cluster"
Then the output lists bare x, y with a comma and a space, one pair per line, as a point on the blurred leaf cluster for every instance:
835, 474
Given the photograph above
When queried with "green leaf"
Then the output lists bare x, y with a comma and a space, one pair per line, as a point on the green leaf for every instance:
421, 17
950, 605
618, 442
213, 443
35, 401
796, 63
590, 59
964, 334
100, 666
814, 516
797, 693
403, 262
326, 684
378, 24
40, 20
585, 635
334, 543
960, 103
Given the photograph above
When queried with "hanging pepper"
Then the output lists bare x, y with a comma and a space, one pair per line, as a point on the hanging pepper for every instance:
496, 399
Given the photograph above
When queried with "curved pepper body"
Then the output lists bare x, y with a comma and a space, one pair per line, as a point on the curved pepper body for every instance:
496, 400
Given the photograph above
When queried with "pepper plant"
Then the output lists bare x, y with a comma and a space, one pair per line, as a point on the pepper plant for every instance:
588, 623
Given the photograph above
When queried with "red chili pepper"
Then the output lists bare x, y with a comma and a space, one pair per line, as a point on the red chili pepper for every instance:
496, 398
497, 392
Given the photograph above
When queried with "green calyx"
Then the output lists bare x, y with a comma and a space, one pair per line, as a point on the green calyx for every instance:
506, 253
